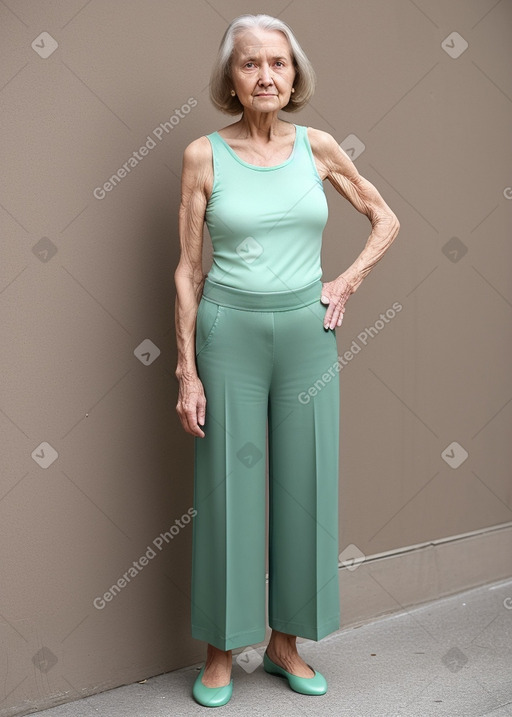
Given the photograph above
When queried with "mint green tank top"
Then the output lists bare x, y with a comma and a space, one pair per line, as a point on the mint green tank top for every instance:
266, 223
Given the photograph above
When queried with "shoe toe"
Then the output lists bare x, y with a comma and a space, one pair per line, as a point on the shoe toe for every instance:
316, 685
211, 696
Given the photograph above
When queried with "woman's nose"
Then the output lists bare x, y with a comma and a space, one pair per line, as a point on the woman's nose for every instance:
265, 76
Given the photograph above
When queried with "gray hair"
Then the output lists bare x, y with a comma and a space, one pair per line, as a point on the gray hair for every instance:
221, 81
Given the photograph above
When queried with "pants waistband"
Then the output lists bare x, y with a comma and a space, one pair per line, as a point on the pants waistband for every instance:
262, 300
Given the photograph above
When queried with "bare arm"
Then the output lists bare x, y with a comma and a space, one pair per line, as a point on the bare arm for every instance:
189, 280
336, 166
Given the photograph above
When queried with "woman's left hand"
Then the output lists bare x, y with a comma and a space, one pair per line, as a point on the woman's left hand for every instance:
335, 293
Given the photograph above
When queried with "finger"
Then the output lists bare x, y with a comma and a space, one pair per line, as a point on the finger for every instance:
201, 413
186, 421
332, 322
336, 317
193, 428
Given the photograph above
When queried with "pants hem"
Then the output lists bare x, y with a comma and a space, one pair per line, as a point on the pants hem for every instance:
221, 642
307, 631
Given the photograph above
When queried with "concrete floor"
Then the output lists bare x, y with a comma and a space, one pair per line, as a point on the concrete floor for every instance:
448, 658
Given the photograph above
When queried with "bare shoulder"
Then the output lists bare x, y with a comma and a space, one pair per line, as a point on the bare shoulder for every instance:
328, 154
198, 152
320, 140
197, 164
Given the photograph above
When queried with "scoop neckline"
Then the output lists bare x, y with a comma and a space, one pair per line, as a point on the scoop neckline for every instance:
257, 166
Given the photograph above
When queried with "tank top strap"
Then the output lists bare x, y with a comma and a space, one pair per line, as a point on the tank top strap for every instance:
220, 153
216, 140
306, 146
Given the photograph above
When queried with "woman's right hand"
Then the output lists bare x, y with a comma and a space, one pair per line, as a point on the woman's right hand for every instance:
191, 406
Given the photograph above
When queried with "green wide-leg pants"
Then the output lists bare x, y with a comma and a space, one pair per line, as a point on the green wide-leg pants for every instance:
265, 357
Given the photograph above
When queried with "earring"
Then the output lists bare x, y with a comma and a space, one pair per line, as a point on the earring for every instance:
293, 89
233, 93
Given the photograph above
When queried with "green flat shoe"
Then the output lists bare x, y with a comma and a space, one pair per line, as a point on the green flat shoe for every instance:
211, 696
316, 685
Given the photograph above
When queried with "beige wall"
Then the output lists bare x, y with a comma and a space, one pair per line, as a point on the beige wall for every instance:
87, 312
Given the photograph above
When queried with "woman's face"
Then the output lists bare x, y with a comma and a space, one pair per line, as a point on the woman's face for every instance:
262, 70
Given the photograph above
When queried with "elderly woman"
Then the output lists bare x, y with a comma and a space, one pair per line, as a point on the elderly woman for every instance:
256, 350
